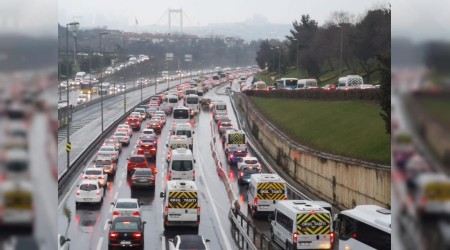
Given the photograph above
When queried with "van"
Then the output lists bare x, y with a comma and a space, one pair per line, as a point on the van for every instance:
181, 205
306, 84
177, 141
263, 192
79, 76
193, 103
301, 224
180, 115
181, 166
172, 101
184, 129
352, 82
104, 88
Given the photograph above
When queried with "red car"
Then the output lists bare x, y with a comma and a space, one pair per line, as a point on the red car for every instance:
136, 161
134, 123
146, 147
155, 125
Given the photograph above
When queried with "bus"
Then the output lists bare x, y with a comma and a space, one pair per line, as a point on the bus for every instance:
192, 102
286, 83
364, 227
88, 88
64, 114
180, 115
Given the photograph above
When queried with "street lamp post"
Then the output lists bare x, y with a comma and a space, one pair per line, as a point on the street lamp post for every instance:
101, 74
279, 60
67, 88
140, 82
340, 60
124, 94
273, 59
296, 49
89, 62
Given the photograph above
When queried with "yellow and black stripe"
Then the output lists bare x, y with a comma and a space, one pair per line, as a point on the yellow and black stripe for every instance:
236, 138
187, 200
271, 191
318, 223
175, 146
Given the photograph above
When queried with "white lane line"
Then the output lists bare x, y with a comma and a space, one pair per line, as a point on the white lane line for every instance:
106, 226
120, 183
123, 175
110, 209
222, 231
115, 196
100, 242
163, 242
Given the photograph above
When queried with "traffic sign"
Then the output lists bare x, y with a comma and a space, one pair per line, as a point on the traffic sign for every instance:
68, 147
124, 101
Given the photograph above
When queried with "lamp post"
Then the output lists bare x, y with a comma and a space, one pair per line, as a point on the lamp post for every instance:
101, 74
124, 94
273, 59
140, 81
73, 24
279, 60
296, 47
340, 60
89, 61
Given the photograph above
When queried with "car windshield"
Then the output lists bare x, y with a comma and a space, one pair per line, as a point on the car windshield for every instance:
250, 170
146, 141
179, 165
102, 162
148, 132
128, 205
187, 133
137, 159
192, 100
173, 100
221, 107
143, 172
107, 149
120, 134
251, 161
88, 187
192, 244
93, 172
125, 225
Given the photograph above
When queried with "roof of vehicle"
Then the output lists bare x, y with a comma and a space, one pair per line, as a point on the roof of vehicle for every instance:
126, 200
302, 206
89, 182
181, 185
266, 178
181, 152
372, 215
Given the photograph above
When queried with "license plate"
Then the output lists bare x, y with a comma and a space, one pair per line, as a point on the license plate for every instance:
126, 213
125, 242
87, 199
175, 215
142, 180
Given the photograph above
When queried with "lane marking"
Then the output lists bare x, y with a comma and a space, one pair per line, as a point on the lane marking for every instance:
123, 174
100, 242
222, 231
163, 242
115, 195
106, 226
120, 183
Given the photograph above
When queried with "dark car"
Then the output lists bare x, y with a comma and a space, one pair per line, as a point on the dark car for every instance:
223, 127
108, 165
246, 172
147, 146
126, 231
143, 177
235, 154
188, 242
155, 125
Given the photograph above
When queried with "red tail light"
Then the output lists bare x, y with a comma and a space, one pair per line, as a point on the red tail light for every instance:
198, 210
137, 235
255, 201
241, 174
294, 238
136, 213
133, 178
332, 237
166, 210
354, 235
98, 192
286, 198
78, 192
101, 177
115, 213
84, 177
113, 235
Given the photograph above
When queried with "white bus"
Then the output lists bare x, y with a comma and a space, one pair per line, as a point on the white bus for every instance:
180, 115
306, 84
286, 83
193, 103
364, 227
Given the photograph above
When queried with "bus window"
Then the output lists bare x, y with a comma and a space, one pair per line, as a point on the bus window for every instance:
181, 114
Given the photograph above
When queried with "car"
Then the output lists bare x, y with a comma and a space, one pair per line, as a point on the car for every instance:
113, 142
95, 174
161, 117
155, 124
134, 123
235, 153
148, 131
224, 119
136, 161
89, 191
219, 116
329, 87
82, 98
109, 151
245, 173
188, 242
108, 165
123, 137
126, 207
223, 126
137, 115
147, 145
143, 177
127, 231
63, 242
142, 112
163, 114
248, 161
152, 110
126, 128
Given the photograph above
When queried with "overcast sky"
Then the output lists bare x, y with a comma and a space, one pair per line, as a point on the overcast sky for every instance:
121, 13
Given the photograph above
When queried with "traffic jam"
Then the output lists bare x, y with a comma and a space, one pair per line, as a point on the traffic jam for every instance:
150, 184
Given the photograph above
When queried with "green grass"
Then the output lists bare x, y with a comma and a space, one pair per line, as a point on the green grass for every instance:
438, 108
347, 128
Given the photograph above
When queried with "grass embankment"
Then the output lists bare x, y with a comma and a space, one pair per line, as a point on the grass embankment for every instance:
326, 76
347, 128
438, 108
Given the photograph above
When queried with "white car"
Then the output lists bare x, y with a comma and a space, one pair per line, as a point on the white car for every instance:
148, 131
126, 207
63, 242
123, 137
89, 191
82, 98
137, 115
188, 242
95, 174
109, 151
162, 116
248, 161
125, 127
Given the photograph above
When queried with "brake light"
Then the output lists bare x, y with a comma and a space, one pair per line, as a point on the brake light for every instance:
113, 235
285, 198
332, 237
84, 177
115, 213
125, 139
354, 235
78, 192
137, 235
133, 178
232, 156
294, 237
101, 177
241, 174
98, 192
136, 213
198, 210
166, 210
255, 201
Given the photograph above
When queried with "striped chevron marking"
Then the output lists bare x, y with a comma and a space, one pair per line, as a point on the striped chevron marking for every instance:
183, 200
318, 223
271, 191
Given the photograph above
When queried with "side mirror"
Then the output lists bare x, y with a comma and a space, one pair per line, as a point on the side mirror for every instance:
112, 203
67, 239
194, 161
161, 194
207, 240
109, 222
193, 132
141, 204
167, 145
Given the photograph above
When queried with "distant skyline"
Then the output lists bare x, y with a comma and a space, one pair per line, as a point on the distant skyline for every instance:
119, 14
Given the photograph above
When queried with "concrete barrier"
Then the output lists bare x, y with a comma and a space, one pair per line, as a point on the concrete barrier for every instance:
341, 181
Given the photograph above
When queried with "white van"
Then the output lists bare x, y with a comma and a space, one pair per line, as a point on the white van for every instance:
193, 103
180, 115
306, 84
79, 76
176, 141
184, 129
104, 88
172, 101
181, 166
352, 82
300, 224
263, 192
181, 205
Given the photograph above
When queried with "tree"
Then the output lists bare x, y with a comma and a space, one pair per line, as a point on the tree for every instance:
264, 55
385, 100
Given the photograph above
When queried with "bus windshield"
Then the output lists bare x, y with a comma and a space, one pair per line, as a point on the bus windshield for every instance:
192, 100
